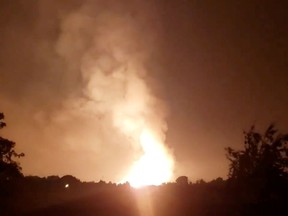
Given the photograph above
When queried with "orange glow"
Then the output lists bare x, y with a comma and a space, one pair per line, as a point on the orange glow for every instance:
154, 167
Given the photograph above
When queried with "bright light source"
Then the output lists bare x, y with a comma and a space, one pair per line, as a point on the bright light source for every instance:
154, 167
66, 185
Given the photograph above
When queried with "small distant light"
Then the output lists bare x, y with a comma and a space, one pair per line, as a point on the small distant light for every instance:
67, 186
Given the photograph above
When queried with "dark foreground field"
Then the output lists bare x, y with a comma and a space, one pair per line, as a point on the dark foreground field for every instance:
49, 196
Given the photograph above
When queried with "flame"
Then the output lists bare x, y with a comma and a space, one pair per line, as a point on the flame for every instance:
154, 167
116, 89
137, 118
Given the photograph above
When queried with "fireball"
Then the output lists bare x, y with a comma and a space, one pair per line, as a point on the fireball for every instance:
154, 167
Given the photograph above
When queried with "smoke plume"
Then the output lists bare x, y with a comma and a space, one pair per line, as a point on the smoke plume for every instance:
94, 102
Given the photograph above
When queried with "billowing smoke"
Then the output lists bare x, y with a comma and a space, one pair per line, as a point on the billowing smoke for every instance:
108, 119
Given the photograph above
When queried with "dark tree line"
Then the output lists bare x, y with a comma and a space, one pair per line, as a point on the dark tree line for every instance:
9, 168
257, 184
265, 156
257, 176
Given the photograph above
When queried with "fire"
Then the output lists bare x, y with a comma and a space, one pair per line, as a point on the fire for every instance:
154, 167
116, 91
137, 118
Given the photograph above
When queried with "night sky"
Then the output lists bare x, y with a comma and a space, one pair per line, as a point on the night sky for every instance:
215, 67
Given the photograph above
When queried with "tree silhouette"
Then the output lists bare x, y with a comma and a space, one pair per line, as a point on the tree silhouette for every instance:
264, 156
8, 167
182, 180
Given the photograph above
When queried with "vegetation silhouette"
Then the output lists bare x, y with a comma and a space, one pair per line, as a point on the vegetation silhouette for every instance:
258, 174
182, 180
9, 168
264, 156
256, 185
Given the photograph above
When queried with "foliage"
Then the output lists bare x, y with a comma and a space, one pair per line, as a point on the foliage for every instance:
182, 180
264, 156
9, 168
